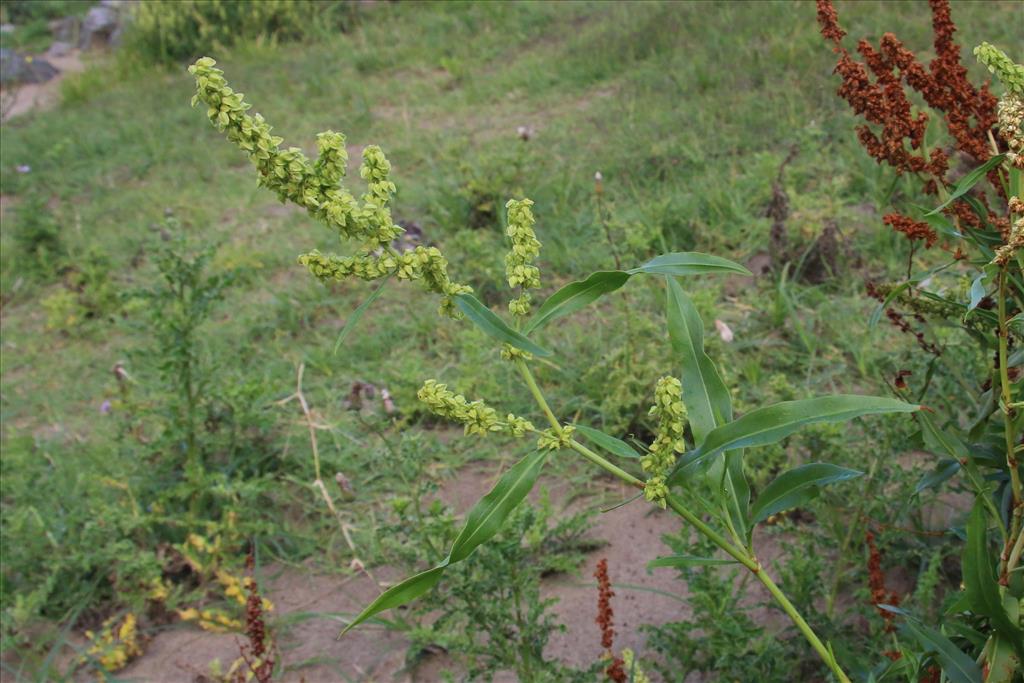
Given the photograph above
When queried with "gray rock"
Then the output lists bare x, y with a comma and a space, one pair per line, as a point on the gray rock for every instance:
6, 28
99, 25
66, 29
59, 49
18, 68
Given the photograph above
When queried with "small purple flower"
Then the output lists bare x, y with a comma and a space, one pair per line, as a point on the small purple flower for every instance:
105, 407
24, 168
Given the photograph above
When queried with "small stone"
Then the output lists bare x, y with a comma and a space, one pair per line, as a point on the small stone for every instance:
18, 68
100, 26
65, 29
59, 49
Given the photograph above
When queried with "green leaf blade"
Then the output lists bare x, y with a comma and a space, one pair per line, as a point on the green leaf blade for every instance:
609, 443
979, 578
968, 182
493, 326
576, 295
685, 561
399, 594
771, 424
797, 486
957, 666
736, 493
482, 523
684, 263
705, 395
487, 516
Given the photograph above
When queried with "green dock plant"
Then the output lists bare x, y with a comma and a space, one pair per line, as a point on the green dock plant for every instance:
699, 450
977, 219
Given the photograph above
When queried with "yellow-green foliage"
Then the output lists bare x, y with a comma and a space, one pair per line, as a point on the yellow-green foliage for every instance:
318, 188
177, 30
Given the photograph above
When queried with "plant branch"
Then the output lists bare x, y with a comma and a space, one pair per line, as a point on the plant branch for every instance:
737, 552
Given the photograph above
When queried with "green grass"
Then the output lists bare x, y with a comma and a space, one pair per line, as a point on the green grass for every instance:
687, 110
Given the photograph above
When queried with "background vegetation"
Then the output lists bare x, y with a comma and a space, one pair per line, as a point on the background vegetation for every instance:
153, 309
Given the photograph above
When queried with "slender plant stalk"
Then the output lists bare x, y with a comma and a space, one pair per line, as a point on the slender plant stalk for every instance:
736, 551
575, 445
1007, 397
1015, 553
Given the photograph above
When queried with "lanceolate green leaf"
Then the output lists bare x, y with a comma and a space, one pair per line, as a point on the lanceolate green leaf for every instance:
736, 493
945, 470
399, 594
357, 315
609, 443
707, 400
796, 487
969, 181
689, 263
682, 561
939, 441
486, 320
482, 522
977, 292
980, 581
487, 516
957, 666
704, 393
1003, 662
575, 296
773, 423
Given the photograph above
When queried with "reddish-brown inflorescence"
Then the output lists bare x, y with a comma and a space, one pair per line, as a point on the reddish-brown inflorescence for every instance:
257, 654
877, 88
969, 112
876, 579
605, 619
914, 230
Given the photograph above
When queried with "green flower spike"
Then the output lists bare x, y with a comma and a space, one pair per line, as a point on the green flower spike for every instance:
519, 268
318, 188
477, 417
671, 413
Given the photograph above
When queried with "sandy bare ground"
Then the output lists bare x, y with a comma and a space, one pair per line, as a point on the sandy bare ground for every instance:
21, 99
311, 609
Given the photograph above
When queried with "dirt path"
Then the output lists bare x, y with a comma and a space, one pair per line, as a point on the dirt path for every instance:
28, 97
312, 606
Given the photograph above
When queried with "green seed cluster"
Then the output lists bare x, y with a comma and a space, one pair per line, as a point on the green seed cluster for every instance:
317, 187
671, 413
425, 264
1011, 106
550, 440
509, 352
1010, 74
519, 268
476, 416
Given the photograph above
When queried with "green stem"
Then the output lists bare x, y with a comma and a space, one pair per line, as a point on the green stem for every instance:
751, 563
1015, 553
604, 464
524, 370
575, 445
1007, 397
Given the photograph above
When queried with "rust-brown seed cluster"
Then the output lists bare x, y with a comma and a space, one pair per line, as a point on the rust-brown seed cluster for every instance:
605, 619
877, 89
